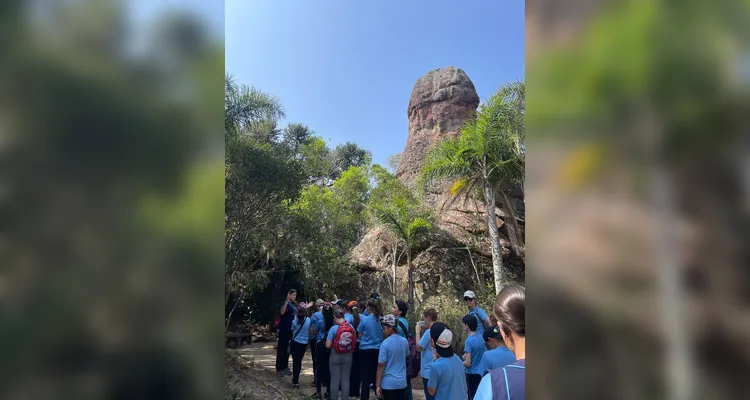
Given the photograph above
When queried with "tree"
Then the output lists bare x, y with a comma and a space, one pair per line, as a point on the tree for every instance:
245, 104
487, 157
348, 155
402, 215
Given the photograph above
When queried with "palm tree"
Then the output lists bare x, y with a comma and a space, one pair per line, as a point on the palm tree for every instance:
402, 216
487, 157
244, 105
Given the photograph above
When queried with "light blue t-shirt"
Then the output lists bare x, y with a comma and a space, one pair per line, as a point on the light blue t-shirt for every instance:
332, 333
320, 326
314, 322
447, 376
372, 333
393, 352
480, 316
426, 358
475, 345
349, 318
304, 334
498, 357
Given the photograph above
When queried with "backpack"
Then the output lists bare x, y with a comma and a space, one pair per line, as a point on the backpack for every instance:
345, 339
414, 359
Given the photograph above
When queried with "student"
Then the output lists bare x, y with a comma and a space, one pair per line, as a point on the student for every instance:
447, 381
317, 315
300, 337
482, 319
371, 336
321, 329
508, 382
473, 351
374, 296
423, 345
390, 383
354, 377
341, 341
400, 308
347, 313
497, 354
287, 312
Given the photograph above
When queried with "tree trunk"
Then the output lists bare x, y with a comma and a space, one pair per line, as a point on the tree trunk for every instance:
395, 256
497, 258
410, 278
229, 318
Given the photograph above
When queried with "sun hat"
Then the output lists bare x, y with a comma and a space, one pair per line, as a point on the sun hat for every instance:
443, 337
389, 320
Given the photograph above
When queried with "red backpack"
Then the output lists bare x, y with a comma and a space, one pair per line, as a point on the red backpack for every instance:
345, 339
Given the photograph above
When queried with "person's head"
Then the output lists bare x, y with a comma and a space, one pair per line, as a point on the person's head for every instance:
319, 304
510, 310
492, 337
470, 298
353, 306
430, 316
400, 308
441, 338
470, 323
373, 306
389, 325
291, 295
338, 316
301, 313
328, 314
375, 296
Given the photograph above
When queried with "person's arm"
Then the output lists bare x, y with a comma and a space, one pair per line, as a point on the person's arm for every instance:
467, 360
329, 343
378, 379
487, 322
283, 306
432, 382
422, 342
417, 331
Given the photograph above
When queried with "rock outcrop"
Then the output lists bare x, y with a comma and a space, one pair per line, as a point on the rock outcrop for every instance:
458, 251
440, 103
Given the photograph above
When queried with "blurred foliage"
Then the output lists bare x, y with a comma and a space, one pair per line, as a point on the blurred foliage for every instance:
643, 98
111, 204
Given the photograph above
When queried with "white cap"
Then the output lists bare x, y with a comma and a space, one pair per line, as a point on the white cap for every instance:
445, 339
469, 293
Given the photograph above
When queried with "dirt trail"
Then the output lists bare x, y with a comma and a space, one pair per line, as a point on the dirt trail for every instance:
261, 357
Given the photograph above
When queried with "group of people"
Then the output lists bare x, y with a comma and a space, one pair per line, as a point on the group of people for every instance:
354, 353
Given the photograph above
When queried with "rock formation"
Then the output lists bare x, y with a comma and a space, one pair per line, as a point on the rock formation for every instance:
440, 103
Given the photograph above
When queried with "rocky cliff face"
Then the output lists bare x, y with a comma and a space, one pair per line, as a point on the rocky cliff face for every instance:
440, 103
458, 251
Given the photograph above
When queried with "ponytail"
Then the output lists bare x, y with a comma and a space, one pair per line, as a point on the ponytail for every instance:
355, 316
374, 305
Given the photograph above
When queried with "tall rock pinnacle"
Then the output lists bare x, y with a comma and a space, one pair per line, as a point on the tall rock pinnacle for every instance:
440, 103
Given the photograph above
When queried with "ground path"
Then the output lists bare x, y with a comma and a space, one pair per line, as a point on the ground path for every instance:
261, 357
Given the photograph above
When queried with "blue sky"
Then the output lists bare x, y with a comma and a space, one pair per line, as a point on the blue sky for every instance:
346, 68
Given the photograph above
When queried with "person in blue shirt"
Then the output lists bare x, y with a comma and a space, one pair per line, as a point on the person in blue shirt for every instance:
298, 346
497, 354
347, 313
400, 308
317, 315
447, 380
473, 351
287, 312
374, 296
508, 382
340, 364
354, 377
321, 329
370, 338
425, 347
483, 319
390, 383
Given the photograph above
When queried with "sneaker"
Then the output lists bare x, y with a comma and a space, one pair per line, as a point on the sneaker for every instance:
328, 396
315, 396
287, 372
280, 374
295, 386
